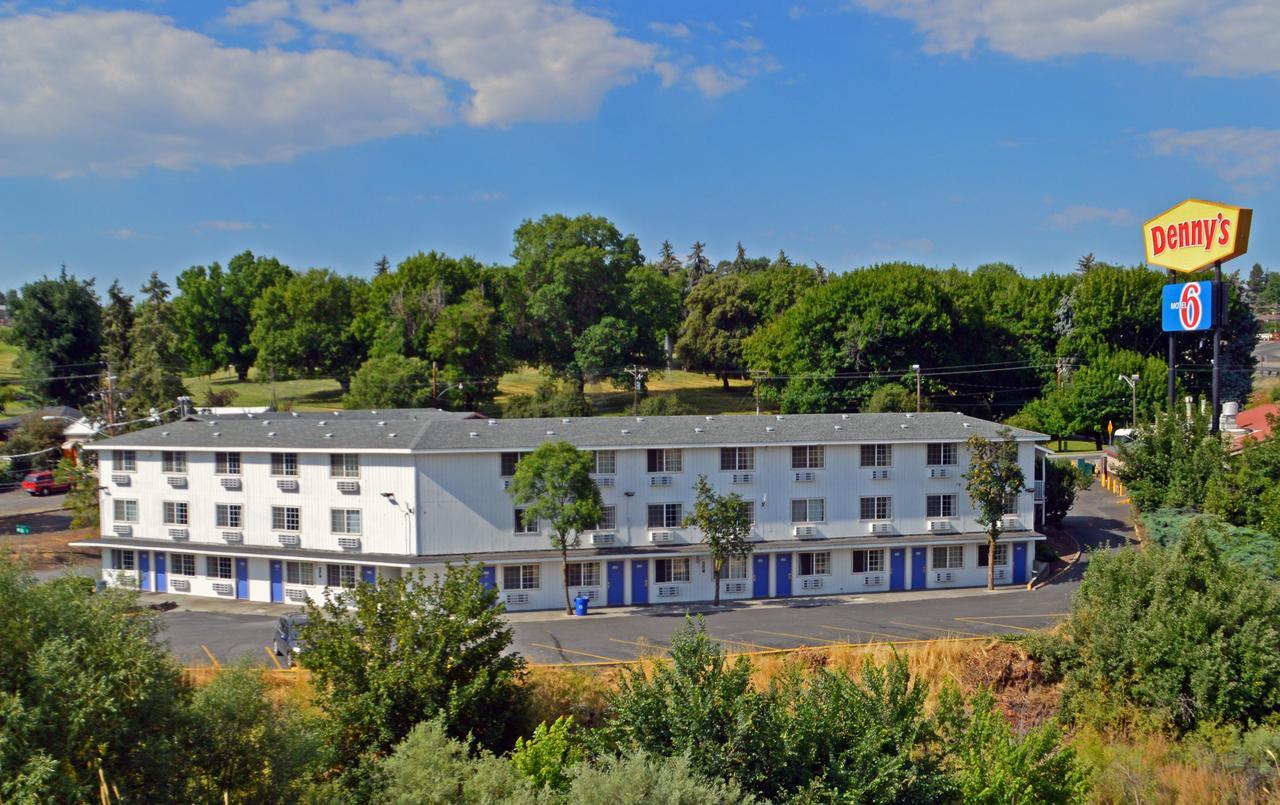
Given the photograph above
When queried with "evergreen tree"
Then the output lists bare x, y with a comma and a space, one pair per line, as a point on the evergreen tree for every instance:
667, 260
698, 264
382, 266
153, 376
117, 327
57, 324
1257, 279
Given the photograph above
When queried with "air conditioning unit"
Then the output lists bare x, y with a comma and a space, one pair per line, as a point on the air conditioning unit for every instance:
743, 477
222, 588
179, 533
348, 487
177, 481
122, 529
735, 587
1011, 522
605, 480
806, 530
295, 594
517, 598
1001, 574
882, 528
349, 543
940, 525
880, 475
811, 583
230, 483
603, 538
944, 576
180, 585
121, 480
939, 472
808, 475
506, 483
287, 484
660, 480
233, 536
872, 581
657, 537
289, 540
668, 592
589, 593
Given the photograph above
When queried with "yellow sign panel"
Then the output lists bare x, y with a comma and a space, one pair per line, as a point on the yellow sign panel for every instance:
1196, 234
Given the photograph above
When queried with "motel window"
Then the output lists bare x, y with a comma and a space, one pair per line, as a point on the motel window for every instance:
735, 568
173, 462
875, 455
584, 574
344, 465
286, 518
344, 521
815, 563
666, 460
122, 559
226, 463
948, 557
871, 561
124, 511
340, 576
299, 573
737, 459
605, 461
608, 519
940, 506
749, 509
808, 510
878, 507
1002, 554
1011, 503
525, 525
668, 571
522, 577
509, 462
808, 457
182, 564
126, 461
284, 464
175, 512
228, 515
941, 454
666, 515
218, 567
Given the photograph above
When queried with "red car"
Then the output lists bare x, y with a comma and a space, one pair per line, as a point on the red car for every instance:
43, 483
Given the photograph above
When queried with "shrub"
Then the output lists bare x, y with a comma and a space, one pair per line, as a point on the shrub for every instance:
640, 777
664, 405
430, 767
546, 758
551, 399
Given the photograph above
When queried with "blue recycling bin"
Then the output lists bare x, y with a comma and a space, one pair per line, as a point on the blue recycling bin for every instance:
580, 605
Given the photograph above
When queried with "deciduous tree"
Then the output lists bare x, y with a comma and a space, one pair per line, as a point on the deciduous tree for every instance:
152, 379
993, 478
725, 527
303, 326
58, 326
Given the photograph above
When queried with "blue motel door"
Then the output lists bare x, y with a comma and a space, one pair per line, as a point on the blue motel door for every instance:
489, 577
162, 578
369, 573
898, 569
639, 581
760, 576
277, 581
242, 578
784, 575
918, 571
144, 570
1019, 563
616, 580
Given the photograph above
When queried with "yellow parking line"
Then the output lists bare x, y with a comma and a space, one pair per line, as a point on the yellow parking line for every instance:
274, 658
755, 646
861, 632
640, 643
575, 651
212, 658
797, 636
1007, 617
936, 629
998, 625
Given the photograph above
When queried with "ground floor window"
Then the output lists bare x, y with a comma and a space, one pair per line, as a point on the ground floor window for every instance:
183, 564
666, 571
299, 573
522, 577
735, 567
340, 576
123, 560
948, 557
815, 563
1002, 554
868, 561
584, 574
218, 567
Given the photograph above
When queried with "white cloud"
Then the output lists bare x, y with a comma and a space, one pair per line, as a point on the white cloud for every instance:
1221, 37
120, 234
1076, 215
668, 73
115, 92
1248, 158
225, 226
713, 81
674, 30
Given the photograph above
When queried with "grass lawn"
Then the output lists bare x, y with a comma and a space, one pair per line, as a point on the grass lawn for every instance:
9, 371
1075, 446
304, 395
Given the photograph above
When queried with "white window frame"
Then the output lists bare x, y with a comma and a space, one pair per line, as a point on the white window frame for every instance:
588, 574
946, 454
813, 457
877, 500
736, 568
809, 512
284, 465
173, 462
124, 559
819, 563
182, 564
872, 558
948, 505
608, 519
526, 577
175, 512
678, 570
952, 557
509, 457
281, 516
749, 506
229, 509
1002, 549
346, 575
344, 465
875, 455
344, 525
124, 510
668, 520
125, 461
522, 526
303, 573
213, 567
227, 463
668, 459
604, 462
737, 459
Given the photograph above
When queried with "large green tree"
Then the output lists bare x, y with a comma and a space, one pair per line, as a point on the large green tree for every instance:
117, 328
993, 478
554, 484
391, 381
57, 324
303, 326
466, 342
152, 379
725, 526
404, 304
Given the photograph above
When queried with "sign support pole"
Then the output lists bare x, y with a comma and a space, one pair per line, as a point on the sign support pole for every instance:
1215, 416
1173, 363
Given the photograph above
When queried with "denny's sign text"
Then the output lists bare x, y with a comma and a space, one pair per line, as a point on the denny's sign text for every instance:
1196, 234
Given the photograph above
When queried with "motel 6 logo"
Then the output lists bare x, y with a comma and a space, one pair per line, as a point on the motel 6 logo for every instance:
1187, 307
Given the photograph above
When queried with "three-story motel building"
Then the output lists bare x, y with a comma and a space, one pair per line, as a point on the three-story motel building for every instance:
282, 506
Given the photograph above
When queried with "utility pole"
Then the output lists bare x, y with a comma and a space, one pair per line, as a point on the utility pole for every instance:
433, 380
758, 375
915, 367
1132, 380
637, 373
110, 398
1219, 313
1173, 361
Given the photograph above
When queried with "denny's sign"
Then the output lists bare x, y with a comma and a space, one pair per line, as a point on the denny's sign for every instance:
1196, 234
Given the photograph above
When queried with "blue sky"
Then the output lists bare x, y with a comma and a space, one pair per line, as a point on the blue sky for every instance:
156, 135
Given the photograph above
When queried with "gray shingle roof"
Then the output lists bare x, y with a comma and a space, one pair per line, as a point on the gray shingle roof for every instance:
443, 431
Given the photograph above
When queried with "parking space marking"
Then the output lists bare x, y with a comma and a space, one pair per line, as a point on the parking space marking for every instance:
640, 643
273, 657
798, 636
750, 646
575, 651
212, 658
997, 625
938, 629
861, 632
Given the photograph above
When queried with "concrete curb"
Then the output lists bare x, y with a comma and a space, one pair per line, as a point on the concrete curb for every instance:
1069, 565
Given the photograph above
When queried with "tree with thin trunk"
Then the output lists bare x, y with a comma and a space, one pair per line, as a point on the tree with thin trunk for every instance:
994, 476
553, 483
725, 526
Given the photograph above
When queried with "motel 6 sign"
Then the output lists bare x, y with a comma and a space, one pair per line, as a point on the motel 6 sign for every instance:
1187, 307
1196, 234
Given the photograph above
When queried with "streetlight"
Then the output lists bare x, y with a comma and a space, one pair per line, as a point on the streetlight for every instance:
1132, 380
915, 367
407, 511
